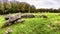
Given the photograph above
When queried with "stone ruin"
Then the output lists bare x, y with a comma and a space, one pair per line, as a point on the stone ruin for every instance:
12, 19
28, 16
16, 18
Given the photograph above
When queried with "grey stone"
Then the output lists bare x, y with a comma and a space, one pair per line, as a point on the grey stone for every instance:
12, 19
19, 21
7, 16
28, 16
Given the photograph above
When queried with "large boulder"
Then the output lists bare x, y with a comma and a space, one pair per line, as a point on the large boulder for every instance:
19, 21
16, 15
7, 16
27, 16
8, 23
12, 19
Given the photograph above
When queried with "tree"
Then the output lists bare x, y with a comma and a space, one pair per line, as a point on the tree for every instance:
32, 9
24, 7
13, 7
1, 11
5, 8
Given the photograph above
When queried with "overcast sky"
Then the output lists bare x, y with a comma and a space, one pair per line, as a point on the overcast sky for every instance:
43, 3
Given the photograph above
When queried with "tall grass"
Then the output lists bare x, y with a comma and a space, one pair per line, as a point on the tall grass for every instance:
35, 26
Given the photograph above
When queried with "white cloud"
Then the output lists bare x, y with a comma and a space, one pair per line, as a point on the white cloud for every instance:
43, 3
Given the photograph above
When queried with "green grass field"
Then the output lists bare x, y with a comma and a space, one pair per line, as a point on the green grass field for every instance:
35, 25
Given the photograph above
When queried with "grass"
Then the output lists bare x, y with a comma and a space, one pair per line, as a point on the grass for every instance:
2, 20
35, 25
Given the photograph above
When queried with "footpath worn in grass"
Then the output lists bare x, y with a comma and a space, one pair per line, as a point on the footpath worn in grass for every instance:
35, 26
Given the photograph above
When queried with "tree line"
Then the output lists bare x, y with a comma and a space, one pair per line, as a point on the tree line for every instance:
23, 7
51, 10
15, 6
